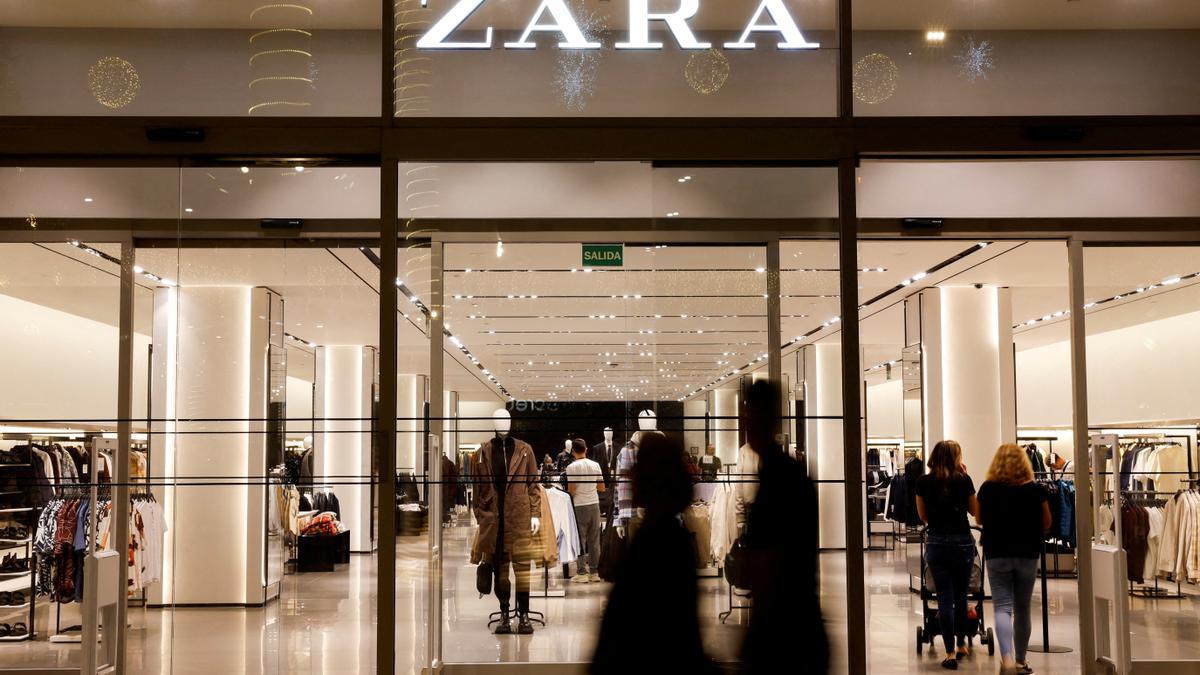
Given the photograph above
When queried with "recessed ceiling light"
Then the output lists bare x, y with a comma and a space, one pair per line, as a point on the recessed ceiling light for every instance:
245, 169
935, 36
88, 200
300, 169
187, 210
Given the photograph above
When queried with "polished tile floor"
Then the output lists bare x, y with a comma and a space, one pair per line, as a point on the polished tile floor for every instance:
325, 623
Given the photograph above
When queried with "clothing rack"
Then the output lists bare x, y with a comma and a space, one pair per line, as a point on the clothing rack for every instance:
30, 556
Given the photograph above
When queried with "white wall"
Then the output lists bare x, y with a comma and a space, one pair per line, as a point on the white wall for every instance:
59, 366
1145, 372
885, 409
299, 407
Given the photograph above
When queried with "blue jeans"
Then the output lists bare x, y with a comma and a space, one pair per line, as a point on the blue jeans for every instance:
949, 559
1012, 592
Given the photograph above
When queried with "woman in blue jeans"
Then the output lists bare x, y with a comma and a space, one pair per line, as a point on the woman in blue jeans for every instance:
945, 496
1015, 516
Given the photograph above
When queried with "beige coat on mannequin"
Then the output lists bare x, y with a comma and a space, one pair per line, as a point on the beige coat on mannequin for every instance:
522, 501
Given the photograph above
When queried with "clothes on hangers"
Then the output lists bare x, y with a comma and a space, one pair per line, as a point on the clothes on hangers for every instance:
547, 536
566, 530
61, 542
722, 522
1036, 458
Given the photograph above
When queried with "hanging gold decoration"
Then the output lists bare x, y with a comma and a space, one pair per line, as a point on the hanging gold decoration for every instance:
707, 71
875, 77
113, 82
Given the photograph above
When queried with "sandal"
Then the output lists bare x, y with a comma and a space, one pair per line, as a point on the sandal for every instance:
19, 629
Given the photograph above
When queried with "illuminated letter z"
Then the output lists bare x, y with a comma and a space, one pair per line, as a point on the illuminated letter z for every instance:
457, 16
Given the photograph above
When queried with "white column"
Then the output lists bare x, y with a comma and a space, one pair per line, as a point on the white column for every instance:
823, 394
343, 443
968, 370
410, 404
204, 363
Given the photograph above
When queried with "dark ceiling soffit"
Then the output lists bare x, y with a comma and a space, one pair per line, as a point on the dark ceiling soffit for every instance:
170, 228
231, 139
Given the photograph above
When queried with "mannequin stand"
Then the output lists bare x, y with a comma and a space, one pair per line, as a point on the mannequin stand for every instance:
534, 616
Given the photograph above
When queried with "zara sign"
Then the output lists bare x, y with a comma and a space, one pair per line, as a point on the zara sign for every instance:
553, 16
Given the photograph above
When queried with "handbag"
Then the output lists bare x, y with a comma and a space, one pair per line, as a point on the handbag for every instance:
612, 550
483, 578
736, 568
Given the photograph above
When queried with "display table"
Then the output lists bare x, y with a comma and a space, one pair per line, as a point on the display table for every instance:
320, 553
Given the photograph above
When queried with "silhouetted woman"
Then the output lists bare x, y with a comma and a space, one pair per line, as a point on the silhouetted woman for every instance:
651, 622
781, 551
945, 496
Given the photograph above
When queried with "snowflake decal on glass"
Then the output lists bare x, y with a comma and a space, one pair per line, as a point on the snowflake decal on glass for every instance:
975, 59
576, 76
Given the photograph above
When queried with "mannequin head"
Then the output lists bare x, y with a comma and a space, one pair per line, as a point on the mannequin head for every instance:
308, 442
608, 434
501, 422
567, 445
647, 421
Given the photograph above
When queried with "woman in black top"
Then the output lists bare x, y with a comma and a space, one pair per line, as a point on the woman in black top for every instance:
945, 496
1015, 515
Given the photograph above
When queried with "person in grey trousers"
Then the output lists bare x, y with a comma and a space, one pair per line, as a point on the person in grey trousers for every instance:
585, 482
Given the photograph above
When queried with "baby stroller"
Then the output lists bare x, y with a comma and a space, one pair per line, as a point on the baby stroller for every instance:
931, 630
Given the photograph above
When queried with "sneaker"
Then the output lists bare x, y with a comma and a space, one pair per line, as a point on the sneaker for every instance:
580, 579
1022, 668
595, 578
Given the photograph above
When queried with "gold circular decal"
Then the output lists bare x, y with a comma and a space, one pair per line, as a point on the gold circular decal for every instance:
707, 71
113, 81
875, 78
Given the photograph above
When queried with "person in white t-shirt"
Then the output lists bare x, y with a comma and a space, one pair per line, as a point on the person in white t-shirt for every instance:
585, 482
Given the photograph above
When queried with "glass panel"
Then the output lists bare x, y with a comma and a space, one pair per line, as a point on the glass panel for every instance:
950, 353
607, 60
1015, 189
940, 57
812, 368
601, 338
59, 348
235, 58
567, 344
1141, 302
264, 377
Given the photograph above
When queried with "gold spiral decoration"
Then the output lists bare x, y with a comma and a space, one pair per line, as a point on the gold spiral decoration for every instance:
283, 75
412, 74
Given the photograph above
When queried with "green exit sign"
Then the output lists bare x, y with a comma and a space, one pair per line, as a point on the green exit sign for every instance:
603, 255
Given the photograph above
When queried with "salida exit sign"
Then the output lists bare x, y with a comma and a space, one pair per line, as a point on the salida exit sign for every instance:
603, 255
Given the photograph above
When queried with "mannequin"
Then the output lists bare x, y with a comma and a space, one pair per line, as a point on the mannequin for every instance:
604, 453
506, 501
626, 514
306, 462
564, 458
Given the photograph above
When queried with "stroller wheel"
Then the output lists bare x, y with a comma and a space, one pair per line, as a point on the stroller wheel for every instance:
920, 639
991, 643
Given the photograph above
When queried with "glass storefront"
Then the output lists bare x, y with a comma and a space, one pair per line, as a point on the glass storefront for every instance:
619, 218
